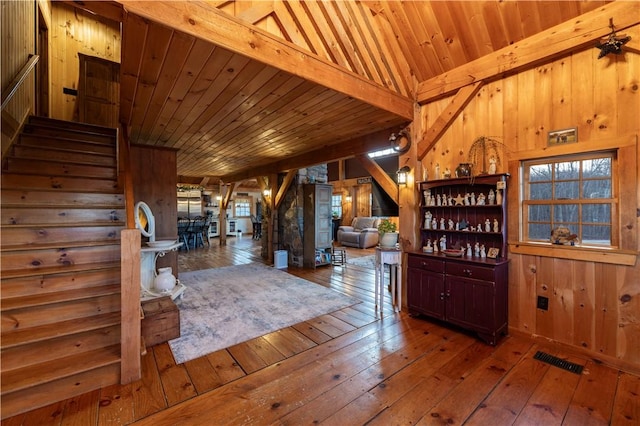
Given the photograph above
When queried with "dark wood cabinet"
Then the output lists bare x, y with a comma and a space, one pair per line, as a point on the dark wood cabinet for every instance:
462, 288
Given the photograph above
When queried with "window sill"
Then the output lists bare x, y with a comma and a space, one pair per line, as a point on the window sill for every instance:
587, 254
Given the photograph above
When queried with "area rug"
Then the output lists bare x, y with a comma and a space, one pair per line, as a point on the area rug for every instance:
368, 262
226, 306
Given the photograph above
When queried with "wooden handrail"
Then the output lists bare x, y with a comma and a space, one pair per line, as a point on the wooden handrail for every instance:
18, 80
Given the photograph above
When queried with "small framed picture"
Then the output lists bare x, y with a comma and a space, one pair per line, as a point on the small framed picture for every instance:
564, 136
493, 252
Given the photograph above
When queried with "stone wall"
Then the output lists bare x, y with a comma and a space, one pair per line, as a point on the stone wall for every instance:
291, 214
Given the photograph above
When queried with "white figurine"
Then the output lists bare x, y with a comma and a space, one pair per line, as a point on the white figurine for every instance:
482, 252
481, 200
450, 225
472, 201
492, 165
476, 249
487, 226
447, 173
435, 246
498, 197
451, 202
496, 228
466, 199
427, 220
442, 223
439, 200
479, 229
443, 242
492, 197
468, 250
437, 175
434, 223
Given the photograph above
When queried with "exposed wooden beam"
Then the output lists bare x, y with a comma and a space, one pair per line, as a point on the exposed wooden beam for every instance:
378, 173
546, 46
447, 117
210, 24
106, 9
286, 183
361, 145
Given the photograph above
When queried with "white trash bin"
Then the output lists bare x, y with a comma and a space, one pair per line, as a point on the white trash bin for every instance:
280, 259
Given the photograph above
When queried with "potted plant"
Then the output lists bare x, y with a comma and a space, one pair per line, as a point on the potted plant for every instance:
388, 233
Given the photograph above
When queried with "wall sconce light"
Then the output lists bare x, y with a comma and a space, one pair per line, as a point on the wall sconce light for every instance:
348, 198
266, 193
403, 174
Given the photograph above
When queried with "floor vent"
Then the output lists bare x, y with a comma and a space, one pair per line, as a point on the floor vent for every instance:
560, 363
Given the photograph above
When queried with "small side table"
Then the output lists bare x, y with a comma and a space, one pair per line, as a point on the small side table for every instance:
393, 257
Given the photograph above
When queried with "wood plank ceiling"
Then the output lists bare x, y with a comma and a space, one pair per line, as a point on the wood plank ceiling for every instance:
233, 117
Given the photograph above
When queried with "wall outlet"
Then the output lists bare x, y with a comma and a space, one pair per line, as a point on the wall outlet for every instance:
543, 303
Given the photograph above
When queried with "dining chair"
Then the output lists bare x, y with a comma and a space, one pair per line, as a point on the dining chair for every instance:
184, 227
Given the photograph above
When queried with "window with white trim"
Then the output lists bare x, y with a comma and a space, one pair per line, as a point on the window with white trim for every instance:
242, 207
574, 191
336, 205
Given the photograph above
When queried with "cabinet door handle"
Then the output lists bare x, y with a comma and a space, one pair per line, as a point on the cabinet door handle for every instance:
448, 295
468, 272
441, 296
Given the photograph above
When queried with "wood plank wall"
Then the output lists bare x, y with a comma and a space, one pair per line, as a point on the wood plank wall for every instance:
18, 42
154, 174
74, 31
592, 306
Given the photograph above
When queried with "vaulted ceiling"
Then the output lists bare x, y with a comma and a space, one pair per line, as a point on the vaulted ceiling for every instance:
247, 88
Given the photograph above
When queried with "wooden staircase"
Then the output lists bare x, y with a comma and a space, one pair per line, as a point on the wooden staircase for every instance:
62, 213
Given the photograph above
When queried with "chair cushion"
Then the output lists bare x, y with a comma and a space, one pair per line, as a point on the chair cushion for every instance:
364, 222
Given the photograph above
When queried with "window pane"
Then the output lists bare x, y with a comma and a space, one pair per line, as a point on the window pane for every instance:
597, 167
567, 170
567, 190
599, 188
594, 234
540, 191
539, 232
541, 213
565, 213
596, 213
540, 172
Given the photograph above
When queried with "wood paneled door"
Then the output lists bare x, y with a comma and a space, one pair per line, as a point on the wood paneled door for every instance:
98, 91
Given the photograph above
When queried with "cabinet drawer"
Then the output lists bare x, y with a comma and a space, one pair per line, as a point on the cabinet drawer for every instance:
470, 271
426, 263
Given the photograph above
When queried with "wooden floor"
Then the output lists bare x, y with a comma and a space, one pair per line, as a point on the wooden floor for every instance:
353, 368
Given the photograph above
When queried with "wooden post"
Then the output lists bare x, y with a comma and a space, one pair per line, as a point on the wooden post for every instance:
130, 365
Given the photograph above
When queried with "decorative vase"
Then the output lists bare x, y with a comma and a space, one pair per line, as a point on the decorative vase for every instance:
164, 281
388, 240
463, 169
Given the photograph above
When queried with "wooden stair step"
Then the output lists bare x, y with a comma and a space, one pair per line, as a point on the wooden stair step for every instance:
59, 257
56, 245
61, 183
52, 131
62, 296
44, 332
23, 319
24, 286
53, 216
34, 375
46, 167
68, 144
17, 273
31, 353
25, 237
50, 153
72, 125
68, 387
13, 197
